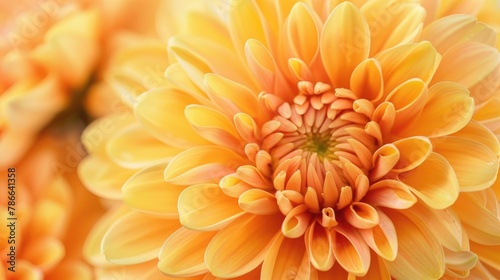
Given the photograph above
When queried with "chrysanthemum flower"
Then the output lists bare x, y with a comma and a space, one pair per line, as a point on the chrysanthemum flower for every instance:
53, 212
310, 141
47, 51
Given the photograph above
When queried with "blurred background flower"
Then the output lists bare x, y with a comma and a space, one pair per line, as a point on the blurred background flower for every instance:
312, 140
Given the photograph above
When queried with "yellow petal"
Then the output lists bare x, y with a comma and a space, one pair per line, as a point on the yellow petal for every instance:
250, 237
401, 18
136, 238
179, 79
419, 253
134, 147
287, 258
475, 164
382, 238
103, 177
446, 32
213, 126
183, 253
467, 64
161, 112
318, 242
390, 193
479, 133
302, 32
367, 81
434, 182
407, 61
245, 22
202, 164
258, 202
92, 247
147, 191
448, 109
205, 207
296, 222
351, 251
345, 43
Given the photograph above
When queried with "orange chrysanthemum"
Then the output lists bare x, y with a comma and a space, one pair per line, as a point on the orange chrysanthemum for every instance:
310, 141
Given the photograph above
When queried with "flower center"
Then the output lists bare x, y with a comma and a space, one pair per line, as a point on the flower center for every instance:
321, 150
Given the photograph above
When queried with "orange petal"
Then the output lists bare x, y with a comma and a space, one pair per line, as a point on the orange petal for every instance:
413, 151
384, 160
382, 238
448, 109
367, 81
302, 32
408, 61
182, 255
361, 215
202, 164
318, 242
345, 43
147, 191
351, 251
403, 19
475, 164
258, 202
390, 193
459, 263
419, 253
45, 253
287, 259
467, 64
434, 182
205, 207
233, 186
478, 212
161, 112
487, 254
136, 238
296, 222
250, 237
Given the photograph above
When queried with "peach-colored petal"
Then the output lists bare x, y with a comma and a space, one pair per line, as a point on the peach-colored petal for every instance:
350, 250
250, 237
147, 191
448, 109
134, 147
136, 238
382, 238
345, 43
407, 61
103, 177
467, 64
183, 253
202, 164
161, 112
287, 258
402, 18
434, 182
419, 253
205, 207
459, 263
474, 163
